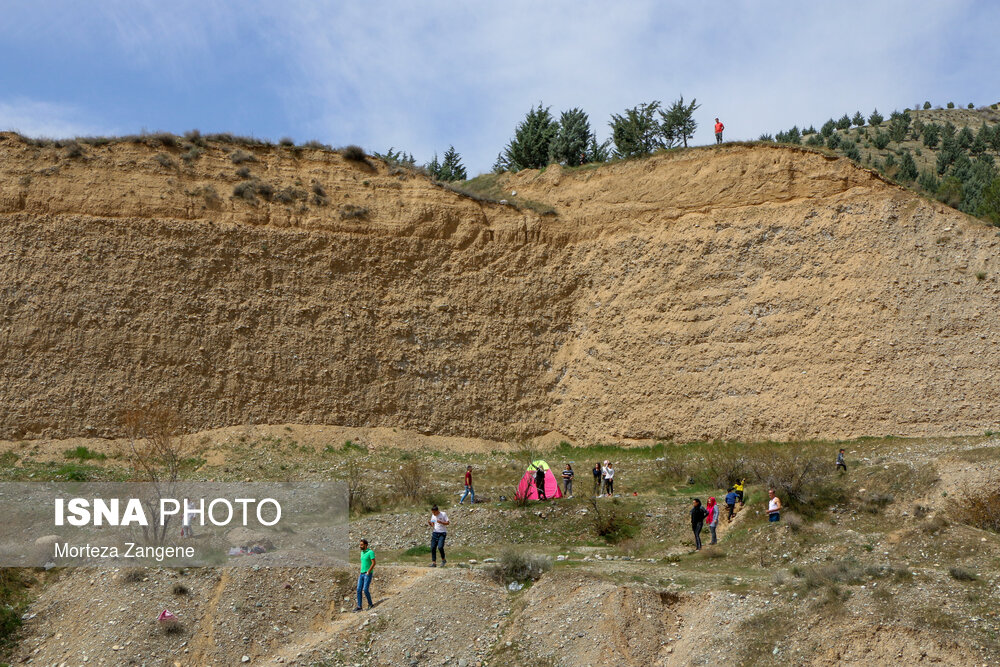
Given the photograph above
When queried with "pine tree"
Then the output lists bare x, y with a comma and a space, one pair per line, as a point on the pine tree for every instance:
636, 132
881, 140
899, 125
500, 166
858, 119
932, 134
434, 168
678, 123
965, 138
875, 119
569, 146
828, 127
451, 168
844, 123
598, 152
989, 203
529, 149
927, 105
995, 138
981, 143
907, 167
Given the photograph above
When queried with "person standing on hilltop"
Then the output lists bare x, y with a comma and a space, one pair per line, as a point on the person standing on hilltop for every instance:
439, 531
719, 127
697, 522
567, 476
597, 479
365, 579
468, 487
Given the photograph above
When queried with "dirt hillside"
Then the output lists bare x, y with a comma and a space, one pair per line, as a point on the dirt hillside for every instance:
742, 292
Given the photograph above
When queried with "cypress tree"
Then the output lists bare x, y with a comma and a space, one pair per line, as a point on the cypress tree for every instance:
636, 132
678, 123
451, 168
529, 149
569, 146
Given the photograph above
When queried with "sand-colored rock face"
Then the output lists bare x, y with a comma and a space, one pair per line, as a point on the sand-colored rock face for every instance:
735, 293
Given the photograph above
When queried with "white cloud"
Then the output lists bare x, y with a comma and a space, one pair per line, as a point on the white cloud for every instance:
35, 118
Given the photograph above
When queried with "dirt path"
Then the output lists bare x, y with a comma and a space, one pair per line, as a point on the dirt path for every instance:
204, 641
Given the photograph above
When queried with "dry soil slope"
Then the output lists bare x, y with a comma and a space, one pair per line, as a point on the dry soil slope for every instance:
743, 292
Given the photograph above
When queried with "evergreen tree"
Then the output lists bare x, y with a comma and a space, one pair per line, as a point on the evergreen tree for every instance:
927, 105
827, 128
636, 132
844, 123
989, 203
907, 167
451, 168
678, 123
434, 168
994, 140
850, 149
928, 181
810, 130
833, 141
981, 143
765, 137
529, 149
814, 140
792, 136
932, 133
875, 119
569, 146
858, 119
881, 139
598, 152
948, 154
951, 105
948, 130
500, 166
899, 125
965, 138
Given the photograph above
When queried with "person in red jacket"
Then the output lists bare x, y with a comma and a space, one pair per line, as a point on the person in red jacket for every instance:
468, 487
719, 127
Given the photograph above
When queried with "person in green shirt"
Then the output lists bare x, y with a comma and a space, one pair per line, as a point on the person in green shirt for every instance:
365, 580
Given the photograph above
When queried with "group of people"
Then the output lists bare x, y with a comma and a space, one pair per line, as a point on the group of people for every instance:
709, 514
604, 477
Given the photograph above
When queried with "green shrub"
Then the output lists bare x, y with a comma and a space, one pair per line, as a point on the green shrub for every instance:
354, 153
927, 105
951, 105
881, 140
352, 212
513, 565
239, 156
961, 574
971, 105
81, 453
286, 141
614, 521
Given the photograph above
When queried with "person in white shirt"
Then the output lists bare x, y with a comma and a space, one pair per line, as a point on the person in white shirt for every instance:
439, 531
186, 519
773, 507
609, 479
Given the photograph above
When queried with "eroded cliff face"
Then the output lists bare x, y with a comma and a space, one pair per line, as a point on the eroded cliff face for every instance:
736, 293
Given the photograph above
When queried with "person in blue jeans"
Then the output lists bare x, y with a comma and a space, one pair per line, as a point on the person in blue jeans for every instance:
439, 531
773, 507
469, 491
365, 580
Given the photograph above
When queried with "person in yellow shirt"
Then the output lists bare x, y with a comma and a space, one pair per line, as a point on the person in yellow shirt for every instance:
738, 488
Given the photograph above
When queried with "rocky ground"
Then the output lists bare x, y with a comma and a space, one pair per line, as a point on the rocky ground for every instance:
884, 576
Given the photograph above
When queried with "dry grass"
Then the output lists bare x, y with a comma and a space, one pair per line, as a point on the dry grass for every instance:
518, 566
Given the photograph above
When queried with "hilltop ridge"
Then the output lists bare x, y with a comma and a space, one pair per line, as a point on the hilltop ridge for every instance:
747, 292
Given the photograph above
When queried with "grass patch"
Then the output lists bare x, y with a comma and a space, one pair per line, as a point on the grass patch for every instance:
82, 453
961, 574
15, 586
614, 521
486, 188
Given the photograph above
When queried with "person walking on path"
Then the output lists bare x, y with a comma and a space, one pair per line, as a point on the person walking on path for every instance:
840, 461
439, 531
365, 579
731, 504
597, 479
468, 487
738, 488
567, 476
773, 507
609, 479
719, 127
697, 522
713, 518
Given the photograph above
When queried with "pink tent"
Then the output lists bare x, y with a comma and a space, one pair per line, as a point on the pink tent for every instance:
526, 489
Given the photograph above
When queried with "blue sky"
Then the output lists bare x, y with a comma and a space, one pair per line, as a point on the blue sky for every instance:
423, 75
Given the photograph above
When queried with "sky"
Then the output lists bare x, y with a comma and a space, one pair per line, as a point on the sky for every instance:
421, 76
